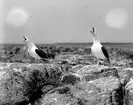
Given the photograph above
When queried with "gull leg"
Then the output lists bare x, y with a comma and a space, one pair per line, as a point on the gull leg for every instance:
97, 61
37, 60
102, 62
45, 60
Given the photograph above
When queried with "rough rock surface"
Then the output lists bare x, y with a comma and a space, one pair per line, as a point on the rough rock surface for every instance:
72, 78
97, 86
22, 83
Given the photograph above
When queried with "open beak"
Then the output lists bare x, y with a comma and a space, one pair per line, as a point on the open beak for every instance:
24, 39
93, 30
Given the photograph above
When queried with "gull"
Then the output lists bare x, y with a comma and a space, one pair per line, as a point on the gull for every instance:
97, 49
33, 51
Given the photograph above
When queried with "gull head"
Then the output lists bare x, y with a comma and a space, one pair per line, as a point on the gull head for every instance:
93, 31
25, 39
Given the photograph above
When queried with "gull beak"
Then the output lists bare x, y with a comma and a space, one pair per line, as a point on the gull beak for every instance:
93, 31
24, 39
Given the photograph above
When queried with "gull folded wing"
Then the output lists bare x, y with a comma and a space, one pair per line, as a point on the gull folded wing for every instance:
41, 53
105, 53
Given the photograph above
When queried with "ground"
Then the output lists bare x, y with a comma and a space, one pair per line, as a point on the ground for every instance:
70, 77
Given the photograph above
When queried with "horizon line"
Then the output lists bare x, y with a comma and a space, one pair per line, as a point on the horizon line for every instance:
75, 43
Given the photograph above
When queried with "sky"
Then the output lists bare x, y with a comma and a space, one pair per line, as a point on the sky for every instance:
55, 21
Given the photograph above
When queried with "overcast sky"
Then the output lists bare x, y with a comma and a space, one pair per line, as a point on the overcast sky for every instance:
51, 21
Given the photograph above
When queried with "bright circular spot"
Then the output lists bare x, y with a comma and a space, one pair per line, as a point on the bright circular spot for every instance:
117, 18
17, 17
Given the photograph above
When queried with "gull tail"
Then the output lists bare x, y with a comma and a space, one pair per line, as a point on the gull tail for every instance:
45, 60
108, 60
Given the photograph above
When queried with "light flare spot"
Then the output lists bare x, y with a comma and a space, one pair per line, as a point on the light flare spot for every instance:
117, 18
17, 17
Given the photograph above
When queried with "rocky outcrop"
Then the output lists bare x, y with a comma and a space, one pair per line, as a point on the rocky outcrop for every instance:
93, 85
71, 78
53, 84
21, 84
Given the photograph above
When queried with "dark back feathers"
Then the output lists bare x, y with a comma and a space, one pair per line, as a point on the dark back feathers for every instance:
105, 53
41, 53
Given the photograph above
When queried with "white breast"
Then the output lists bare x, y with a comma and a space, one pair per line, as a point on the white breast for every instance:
97, 51
32, 52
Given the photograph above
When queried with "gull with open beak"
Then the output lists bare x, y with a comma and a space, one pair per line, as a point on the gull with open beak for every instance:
97, 49
33, 51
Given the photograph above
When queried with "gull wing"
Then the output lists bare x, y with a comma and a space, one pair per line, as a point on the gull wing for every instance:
105, 53
41, 53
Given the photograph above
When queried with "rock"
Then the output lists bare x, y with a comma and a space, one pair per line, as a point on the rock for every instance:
86, 85
70, 79
24, 83
13, 88
98, 92
92, 72
126, 76
58, 99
